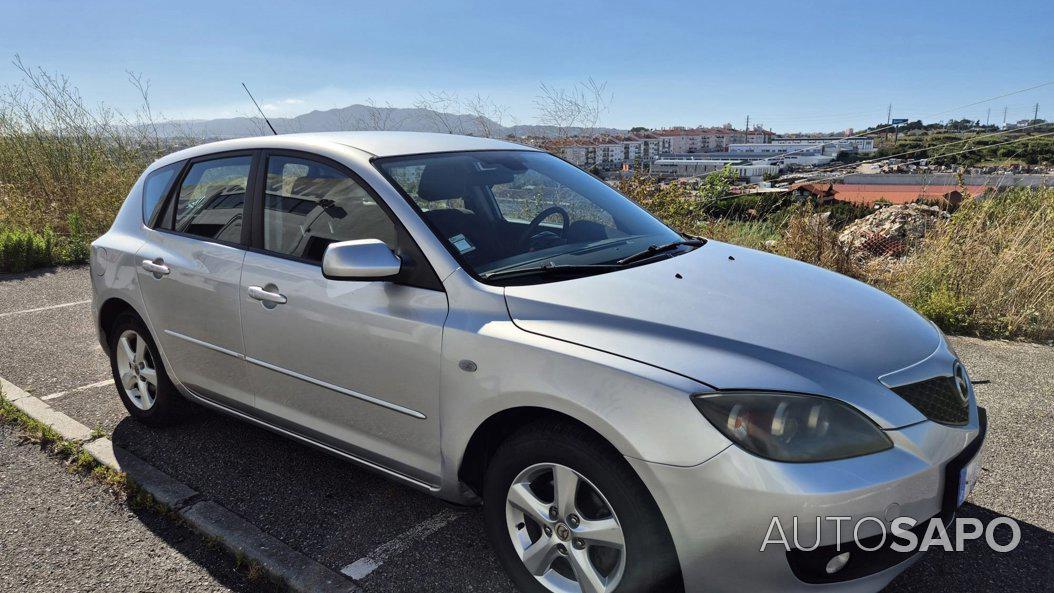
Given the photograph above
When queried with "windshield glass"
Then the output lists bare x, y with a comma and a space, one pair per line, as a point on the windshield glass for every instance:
506, 210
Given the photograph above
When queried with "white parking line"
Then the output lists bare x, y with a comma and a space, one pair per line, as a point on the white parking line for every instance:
38, 309
362, 567
76, 389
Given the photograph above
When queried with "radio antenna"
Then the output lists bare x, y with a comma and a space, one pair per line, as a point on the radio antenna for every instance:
262, 114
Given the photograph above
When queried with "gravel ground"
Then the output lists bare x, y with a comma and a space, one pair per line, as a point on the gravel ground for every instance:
335, 512
64, 532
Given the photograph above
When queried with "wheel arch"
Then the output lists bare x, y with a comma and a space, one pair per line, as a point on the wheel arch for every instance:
498, 427
110, 310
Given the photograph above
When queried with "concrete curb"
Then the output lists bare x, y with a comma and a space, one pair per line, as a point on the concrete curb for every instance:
70, 429
299, 572
240, 537
166, 490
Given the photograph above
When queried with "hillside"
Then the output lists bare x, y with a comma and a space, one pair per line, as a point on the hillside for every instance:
358, 117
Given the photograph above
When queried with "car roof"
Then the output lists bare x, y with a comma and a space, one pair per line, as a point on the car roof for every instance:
379, 144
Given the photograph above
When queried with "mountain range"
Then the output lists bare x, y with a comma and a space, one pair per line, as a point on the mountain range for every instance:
364, 117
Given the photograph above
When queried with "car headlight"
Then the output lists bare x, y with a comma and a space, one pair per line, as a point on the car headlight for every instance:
792, 427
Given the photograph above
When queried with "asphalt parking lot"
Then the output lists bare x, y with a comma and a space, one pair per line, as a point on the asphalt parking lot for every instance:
336, 513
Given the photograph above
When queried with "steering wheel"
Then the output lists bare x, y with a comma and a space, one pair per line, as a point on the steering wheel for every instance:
536, 222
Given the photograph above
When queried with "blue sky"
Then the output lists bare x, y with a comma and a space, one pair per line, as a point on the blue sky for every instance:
790, 65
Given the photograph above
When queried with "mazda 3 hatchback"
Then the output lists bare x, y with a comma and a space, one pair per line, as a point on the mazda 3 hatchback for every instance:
485, 322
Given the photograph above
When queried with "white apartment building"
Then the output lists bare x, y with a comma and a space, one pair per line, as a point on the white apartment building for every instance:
770, 149
576, 154
861, 145
645, 148
610, 152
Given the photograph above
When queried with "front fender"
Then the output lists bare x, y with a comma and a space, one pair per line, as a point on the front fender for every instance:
644, 412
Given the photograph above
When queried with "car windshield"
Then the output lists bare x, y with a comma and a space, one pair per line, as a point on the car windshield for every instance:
511, 211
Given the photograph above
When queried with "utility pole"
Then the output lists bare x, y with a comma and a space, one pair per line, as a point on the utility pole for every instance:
1004, 116
988, 117
889, 114
1035, 114
747, 129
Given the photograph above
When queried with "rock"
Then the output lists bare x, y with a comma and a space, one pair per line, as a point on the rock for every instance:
893, 231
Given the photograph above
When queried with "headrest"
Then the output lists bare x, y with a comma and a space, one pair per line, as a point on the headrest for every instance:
444, 179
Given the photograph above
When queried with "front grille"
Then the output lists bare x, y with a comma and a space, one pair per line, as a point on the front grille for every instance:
938, 399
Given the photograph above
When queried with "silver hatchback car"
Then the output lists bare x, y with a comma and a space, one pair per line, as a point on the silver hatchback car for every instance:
488, 323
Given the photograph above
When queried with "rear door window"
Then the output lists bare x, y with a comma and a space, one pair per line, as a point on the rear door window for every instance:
211, 199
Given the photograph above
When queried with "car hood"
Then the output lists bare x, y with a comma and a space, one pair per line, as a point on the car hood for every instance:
736, 318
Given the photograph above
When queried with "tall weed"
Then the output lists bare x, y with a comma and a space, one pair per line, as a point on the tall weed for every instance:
988, 271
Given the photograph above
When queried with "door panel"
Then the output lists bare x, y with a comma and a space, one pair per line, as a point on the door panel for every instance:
352, 364
193, 312
189, 275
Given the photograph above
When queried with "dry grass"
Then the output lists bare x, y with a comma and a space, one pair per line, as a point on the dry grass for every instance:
66, 167
990, 270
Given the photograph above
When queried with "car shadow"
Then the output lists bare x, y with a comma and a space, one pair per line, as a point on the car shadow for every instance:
1028, 567
321, 505
35, 273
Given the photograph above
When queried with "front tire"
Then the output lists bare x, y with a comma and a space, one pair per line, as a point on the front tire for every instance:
566, 514
139, 373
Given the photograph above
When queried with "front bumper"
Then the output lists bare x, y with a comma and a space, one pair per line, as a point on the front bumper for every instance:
720, 512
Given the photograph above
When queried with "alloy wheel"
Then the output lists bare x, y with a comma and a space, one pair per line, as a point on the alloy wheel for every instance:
564, 530
137, 370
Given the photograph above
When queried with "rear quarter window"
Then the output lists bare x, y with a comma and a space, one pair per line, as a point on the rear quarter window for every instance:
155, 188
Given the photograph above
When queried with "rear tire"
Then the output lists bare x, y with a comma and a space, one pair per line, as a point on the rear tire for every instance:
610, 531
139, 374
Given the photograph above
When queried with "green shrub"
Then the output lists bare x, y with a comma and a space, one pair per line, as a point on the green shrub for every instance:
78, 246
23, 250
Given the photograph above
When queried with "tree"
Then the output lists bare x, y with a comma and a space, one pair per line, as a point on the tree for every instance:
580, 106
450, 113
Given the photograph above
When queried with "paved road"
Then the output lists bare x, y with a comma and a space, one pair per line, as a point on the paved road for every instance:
62, 532
336, 513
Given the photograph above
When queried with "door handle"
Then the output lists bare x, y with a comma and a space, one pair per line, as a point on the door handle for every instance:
267, 296
156, 267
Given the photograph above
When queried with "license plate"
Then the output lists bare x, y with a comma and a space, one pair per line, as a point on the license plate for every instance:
968, 478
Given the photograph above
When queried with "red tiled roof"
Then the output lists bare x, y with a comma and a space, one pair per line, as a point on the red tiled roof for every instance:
814, 188
898, 194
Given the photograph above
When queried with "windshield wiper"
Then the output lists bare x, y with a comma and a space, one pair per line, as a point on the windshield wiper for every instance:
552, 268
657, 249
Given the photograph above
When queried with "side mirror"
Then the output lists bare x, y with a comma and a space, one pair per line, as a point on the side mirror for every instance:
362, 259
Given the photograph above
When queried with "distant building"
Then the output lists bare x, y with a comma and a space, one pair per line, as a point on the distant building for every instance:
610, 152
799, 155
694, 140
820, 191
687, 167
862, 145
